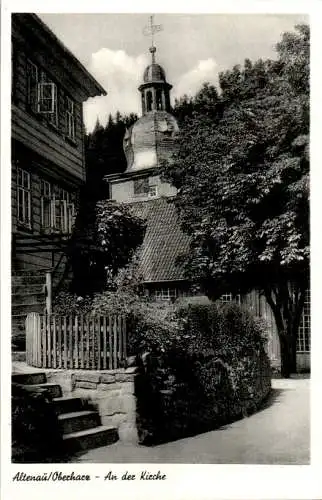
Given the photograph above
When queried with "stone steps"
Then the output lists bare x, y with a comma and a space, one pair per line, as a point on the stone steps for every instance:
54, 390
80, 427
78, 421
66, 404
29, 378
91, 438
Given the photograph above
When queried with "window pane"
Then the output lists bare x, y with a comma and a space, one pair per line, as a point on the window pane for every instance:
141, 186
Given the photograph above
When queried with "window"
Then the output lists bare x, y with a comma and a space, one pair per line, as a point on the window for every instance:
153, 191
303, 337
229, 297
57, 210
141, 187
23, 197
47, 99
70, 118
165, 294
41, 93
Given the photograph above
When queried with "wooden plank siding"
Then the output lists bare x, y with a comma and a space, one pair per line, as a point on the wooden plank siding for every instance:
48, 143
34, 130
41, 260
259, 307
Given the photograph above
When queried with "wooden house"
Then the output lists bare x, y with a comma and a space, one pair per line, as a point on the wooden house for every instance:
49, 86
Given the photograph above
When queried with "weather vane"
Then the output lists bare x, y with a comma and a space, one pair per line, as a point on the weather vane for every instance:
150, 30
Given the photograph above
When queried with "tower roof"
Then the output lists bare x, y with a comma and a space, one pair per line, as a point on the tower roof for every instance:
154, 73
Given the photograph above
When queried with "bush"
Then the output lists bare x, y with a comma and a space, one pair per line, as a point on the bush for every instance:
150, 325
35, 432
209, 369
66, 303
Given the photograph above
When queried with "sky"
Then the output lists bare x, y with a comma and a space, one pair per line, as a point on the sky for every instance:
192, 48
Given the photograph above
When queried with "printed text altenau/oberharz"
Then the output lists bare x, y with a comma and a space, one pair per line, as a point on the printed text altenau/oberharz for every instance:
59, 476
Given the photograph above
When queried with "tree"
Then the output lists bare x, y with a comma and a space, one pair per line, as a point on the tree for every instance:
243, 186
104, 241
104, 150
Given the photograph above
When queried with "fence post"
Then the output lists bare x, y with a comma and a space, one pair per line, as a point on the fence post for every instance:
49, 289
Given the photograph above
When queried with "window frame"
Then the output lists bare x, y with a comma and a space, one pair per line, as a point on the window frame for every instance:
70, 118
165, 294
228, 297
37, 80
150, 191
303, 341
58, 201
24, 191
52, 115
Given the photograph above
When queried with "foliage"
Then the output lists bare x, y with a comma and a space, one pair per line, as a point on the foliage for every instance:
149, 325
210, 369
202, 363
66, 303
104, 240
242, 174
35, 432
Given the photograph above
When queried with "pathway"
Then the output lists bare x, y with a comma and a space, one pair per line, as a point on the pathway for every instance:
278, 434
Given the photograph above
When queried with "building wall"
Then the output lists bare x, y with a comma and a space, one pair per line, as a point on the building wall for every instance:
123, 190
32, 128
258, 306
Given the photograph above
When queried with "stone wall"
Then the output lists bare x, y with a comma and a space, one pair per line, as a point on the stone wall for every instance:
113, 394
179, 399
110, 392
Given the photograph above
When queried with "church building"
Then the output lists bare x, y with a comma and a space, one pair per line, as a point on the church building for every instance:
150, 141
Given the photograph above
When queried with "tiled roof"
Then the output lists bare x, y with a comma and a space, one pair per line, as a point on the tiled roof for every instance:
163, 242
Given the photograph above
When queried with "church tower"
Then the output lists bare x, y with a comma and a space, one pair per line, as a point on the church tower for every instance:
152, 140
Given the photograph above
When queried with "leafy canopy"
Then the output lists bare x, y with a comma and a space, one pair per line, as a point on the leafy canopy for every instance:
242, 171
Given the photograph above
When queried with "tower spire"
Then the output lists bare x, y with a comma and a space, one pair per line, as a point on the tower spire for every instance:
150, 30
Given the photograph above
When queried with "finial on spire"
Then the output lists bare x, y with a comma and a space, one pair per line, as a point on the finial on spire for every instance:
150, 31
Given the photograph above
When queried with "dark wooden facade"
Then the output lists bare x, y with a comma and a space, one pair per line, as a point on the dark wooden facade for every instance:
49, 86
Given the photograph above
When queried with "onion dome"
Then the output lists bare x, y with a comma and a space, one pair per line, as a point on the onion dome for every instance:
153, 138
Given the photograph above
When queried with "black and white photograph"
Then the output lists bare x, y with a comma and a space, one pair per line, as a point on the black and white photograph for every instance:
160, 241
